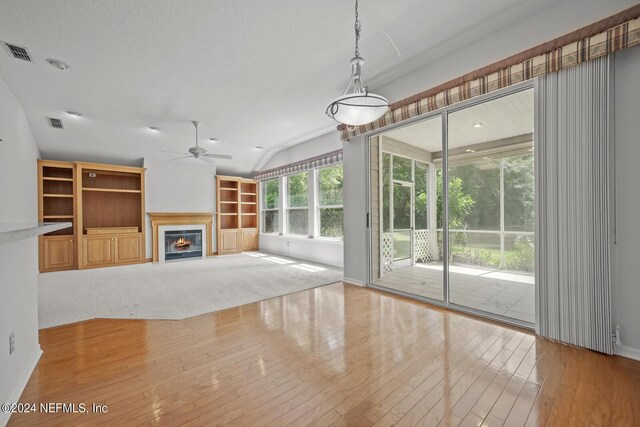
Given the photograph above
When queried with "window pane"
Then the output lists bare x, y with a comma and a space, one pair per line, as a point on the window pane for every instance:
298, 186
331, 222
299, 221
420, 200
474, 196
270, 194
519, 209
402, 169
330, 185
271, 222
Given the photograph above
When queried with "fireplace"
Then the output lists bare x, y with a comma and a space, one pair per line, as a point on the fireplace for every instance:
182, 244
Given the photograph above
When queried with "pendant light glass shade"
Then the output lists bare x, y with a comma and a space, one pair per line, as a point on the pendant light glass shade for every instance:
357, 106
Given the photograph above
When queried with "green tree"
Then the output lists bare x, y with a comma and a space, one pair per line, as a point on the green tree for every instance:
460, 203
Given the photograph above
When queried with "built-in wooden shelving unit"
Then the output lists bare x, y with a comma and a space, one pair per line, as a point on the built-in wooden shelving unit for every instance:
237, 214
105, 204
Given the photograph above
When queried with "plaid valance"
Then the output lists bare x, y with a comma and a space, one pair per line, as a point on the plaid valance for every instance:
601, 38
327, 159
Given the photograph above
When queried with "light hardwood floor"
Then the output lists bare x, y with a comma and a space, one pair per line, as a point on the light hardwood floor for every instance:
336, 355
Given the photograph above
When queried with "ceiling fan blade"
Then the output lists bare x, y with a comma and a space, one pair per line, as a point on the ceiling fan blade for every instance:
185, 157
173, 152
219, 156
206, 159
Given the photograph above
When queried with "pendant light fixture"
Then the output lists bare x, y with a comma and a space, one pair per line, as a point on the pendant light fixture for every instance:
357, 106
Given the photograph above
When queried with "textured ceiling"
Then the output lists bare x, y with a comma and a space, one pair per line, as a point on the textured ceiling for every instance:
504, 117
255, 73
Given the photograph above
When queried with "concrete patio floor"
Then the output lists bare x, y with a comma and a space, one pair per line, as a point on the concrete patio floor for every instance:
509, 294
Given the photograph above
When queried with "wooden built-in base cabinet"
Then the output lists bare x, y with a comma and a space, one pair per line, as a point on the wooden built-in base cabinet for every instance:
229, 242
104, 250
249, 240
57, 253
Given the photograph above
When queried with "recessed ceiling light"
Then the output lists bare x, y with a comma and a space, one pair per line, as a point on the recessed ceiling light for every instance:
478, 125
213, 139
58, 64
259, 147
469, 150
74, 113
153, 128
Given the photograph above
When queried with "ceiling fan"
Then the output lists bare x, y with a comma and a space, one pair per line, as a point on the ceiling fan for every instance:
198, 152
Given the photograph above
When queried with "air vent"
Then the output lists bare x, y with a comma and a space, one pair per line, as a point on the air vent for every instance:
55, 123
17, 52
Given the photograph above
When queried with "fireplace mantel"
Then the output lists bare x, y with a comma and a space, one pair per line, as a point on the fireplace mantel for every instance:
177, 218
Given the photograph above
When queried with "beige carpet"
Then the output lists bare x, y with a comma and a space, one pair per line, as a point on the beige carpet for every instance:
176, 290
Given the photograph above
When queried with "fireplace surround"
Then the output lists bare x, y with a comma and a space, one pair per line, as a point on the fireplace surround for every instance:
181, 242
180, 221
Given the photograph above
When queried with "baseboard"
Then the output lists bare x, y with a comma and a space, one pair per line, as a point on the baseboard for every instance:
629, 352
19, 388
353, 281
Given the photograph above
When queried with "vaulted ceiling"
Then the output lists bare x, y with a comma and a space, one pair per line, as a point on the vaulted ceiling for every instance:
254, 72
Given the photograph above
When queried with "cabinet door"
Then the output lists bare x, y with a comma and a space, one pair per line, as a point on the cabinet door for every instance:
98, 251
250, 240
128, 248
229, 241
57, 253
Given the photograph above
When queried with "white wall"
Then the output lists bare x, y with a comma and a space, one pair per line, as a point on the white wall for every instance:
322, 251
626, 291
18, 260
356, 188
173, 186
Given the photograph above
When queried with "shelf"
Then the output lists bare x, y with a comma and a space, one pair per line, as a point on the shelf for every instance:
57, 216
248, 203
235, 214
248, 194
248, 213
51, 178
227, 202
228, 189
70, 196
111, 190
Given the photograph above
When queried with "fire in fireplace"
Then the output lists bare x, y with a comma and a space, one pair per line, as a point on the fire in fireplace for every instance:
182, 244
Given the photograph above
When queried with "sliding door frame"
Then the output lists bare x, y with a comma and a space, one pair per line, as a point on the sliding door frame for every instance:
444, 113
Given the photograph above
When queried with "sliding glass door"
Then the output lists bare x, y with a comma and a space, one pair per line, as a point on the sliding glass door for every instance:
456, 209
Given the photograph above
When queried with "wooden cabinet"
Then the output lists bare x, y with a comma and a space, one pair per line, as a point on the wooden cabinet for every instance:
237, 214
249, 239
105, 204
128, 248
98, 251
111, 214
57, 253
229, 242
57, 203
102, 251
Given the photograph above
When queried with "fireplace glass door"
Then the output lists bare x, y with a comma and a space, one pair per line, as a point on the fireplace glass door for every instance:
182, 244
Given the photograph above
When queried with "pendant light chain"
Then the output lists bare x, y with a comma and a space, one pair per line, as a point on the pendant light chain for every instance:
357, 28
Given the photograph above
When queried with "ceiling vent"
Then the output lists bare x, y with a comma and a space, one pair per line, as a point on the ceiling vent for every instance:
17, 52
55, 123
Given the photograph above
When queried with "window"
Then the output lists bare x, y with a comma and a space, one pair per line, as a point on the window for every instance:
297, 203
270, 206
330, 201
